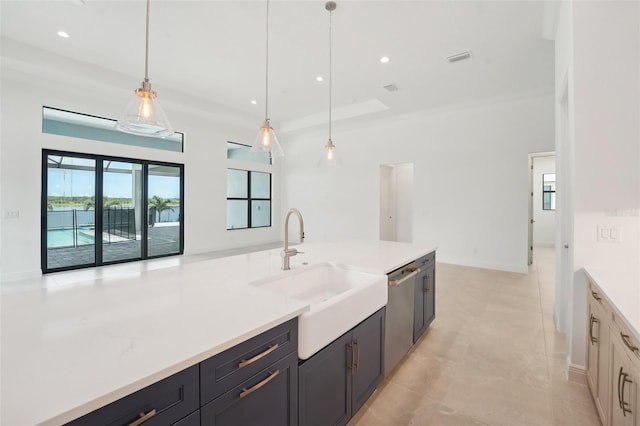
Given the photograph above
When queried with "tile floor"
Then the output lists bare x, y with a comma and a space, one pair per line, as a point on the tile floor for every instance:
491, 357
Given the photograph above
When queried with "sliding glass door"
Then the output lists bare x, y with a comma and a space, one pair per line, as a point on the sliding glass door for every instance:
69, 235
121, 211
98, 210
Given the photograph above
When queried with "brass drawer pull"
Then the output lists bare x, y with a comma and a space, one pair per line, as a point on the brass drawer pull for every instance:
595, 296
594, 320
143, 418
257, 386
625, 339
246, 362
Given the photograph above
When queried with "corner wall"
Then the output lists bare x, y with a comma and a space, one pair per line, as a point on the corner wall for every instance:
470, 178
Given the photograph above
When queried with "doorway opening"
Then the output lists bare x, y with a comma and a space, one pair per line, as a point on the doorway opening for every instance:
396, 202
542, 202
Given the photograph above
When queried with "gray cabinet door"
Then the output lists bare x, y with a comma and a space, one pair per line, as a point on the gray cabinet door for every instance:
425, 295
368, 344
325, 385
268, 398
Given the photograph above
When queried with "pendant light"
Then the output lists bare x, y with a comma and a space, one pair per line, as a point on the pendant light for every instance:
267, 141
144, 116
329, 158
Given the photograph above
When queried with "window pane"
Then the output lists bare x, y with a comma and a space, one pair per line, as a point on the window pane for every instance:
122, 211
236, 151
260, 185
237, 214
260, 213
70, 237
163, 210
237, 183
78, 125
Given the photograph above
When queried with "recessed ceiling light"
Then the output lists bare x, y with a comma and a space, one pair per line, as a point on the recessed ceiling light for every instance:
319, 78
384, 59
63, 34
254, 102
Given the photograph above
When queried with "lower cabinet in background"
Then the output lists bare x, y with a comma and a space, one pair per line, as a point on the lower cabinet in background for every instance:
335, 382
425, 295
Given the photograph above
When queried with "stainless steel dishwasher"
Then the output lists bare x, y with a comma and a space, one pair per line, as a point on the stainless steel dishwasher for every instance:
399, 316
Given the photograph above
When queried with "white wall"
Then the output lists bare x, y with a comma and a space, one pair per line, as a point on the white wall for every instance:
470, 178
544, 226
33, 79
600, 42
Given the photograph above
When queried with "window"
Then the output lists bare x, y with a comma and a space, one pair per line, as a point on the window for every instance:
549, 191
135, 206
78, 125
248, 199
237, 151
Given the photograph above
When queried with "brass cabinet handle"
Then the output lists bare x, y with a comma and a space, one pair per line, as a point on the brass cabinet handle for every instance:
623, 403
352, 345
595, 296
143, 418
625, 339
252, 389
593, 320
245, 362
413, 273
357, 363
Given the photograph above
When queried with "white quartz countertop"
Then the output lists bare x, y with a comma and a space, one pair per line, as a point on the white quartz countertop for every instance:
73, 342
622, 291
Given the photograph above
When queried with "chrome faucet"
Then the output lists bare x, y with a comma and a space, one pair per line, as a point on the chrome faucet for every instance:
287, 252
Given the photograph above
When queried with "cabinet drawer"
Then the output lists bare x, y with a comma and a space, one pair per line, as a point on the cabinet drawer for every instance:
270, 397
426, 261
172, 399
224, 371
628, 337
595, 296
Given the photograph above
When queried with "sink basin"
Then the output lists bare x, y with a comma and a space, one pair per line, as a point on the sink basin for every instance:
339, 298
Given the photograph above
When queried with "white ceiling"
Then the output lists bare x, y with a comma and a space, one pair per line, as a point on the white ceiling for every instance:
215, 50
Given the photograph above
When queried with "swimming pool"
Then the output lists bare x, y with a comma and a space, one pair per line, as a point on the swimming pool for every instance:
64, 238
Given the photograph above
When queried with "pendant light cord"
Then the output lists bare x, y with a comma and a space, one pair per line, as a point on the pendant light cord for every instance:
266, 96
330, 79
146, 48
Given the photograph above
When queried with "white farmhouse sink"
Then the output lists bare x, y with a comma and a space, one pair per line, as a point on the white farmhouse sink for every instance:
339, 298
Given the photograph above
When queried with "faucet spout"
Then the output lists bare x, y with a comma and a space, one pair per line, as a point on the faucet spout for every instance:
287, 253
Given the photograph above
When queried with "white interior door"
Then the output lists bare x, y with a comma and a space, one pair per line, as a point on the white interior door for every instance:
388, 202
396, 202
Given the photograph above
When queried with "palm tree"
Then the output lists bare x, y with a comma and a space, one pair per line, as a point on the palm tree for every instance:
160, 205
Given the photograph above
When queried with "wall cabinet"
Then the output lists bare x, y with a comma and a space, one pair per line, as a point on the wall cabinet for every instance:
252, 383
425, 295
597, 353
336, 381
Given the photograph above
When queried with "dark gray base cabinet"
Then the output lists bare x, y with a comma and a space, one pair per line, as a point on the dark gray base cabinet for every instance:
268, 398
336, 382
425, 295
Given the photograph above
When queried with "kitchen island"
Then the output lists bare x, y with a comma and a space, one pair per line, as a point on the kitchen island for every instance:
72, 345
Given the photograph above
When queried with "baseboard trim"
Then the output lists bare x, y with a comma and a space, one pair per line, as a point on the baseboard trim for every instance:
577, 374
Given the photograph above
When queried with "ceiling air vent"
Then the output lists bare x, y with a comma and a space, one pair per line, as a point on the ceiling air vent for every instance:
459, 57
391, 88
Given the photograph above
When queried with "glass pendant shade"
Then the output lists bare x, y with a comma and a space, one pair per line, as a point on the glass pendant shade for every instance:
144, 116
267, 141
329, 158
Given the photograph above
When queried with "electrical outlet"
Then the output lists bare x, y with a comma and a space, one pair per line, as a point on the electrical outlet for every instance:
11, 214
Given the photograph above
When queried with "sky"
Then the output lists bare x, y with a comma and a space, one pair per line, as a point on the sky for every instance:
79, 183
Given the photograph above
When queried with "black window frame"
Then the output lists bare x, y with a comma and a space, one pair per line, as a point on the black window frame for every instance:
99, 180
249, 199
547, 194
